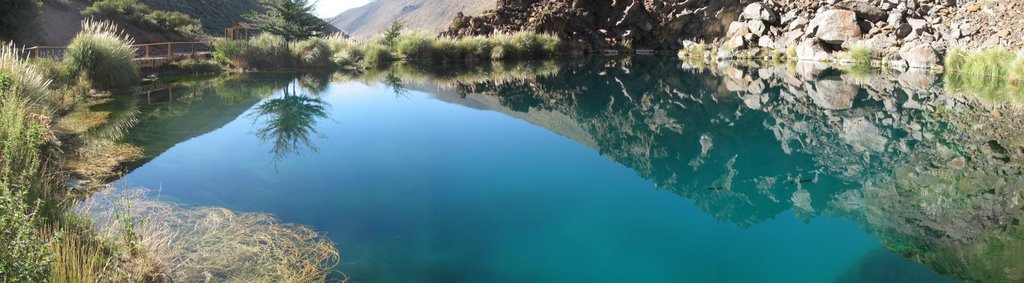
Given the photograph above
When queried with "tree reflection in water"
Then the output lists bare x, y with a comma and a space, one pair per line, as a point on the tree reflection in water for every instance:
289, 121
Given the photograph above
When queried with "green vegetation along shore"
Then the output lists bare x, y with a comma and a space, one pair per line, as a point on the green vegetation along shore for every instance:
47, 142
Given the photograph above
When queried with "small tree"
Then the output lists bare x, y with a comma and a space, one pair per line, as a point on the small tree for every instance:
391, 34
291, 19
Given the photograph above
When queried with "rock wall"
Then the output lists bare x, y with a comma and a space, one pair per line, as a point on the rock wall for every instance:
912, 33
595, 25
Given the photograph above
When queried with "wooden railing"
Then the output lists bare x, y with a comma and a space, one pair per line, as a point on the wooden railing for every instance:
148, 54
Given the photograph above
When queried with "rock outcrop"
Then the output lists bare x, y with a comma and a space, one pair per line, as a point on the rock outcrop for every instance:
921, 29
595, 25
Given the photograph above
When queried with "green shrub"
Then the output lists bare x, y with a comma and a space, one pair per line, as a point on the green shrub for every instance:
20, 75
378, 56
263, 51
270, 51
475, 47
23, 252
173, 21
130, 9
390, 36
198, 67
861, 55
314, 53
103, 55
23, 256
995, 75
416, 45
236, 53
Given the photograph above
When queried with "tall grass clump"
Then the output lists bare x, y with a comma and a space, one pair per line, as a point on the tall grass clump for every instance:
524, 45
271, 51
263, 51
103, 54
20, 75
416, 45
994, 74
313, 53
378, 56
861, 55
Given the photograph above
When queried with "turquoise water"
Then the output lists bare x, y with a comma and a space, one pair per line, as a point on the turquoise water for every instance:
592, 172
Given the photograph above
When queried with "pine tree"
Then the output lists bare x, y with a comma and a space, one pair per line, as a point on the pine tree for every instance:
291, 19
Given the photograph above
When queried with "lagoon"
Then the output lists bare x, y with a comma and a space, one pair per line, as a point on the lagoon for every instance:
636, 170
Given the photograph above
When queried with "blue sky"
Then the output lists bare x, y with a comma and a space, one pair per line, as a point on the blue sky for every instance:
331, 8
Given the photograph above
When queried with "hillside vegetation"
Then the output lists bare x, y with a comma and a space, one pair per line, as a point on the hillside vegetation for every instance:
429, 15
216, 15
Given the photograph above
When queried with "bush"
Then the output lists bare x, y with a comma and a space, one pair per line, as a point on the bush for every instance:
378, 56
523, 45
270, 51
995, 74
131, 9
23, 256
198, 67
314, 53
263, 51
23, 252
417, 45
173, 21
21, 76
236, 53
104, 55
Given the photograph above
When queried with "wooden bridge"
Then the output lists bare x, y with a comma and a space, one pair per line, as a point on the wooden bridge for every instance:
149, 55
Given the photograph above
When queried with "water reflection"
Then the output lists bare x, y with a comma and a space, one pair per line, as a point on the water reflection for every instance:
935, 177
289, 122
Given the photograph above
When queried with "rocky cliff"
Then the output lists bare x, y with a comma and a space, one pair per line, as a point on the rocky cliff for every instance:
914, 32
597, 24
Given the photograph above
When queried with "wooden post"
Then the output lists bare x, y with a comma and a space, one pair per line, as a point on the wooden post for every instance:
37, 52
193, 50
170, 53
147, 52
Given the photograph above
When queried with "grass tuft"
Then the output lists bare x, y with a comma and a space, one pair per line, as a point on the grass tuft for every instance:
103, 54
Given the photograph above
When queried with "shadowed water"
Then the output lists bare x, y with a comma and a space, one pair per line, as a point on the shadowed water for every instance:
637, 170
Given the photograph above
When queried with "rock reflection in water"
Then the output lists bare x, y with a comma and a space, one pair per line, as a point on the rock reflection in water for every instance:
935, 177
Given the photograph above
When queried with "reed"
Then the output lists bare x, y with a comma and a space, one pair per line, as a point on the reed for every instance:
104, 55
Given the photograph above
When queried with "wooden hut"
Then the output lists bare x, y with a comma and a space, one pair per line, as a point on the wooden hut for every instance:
240, 31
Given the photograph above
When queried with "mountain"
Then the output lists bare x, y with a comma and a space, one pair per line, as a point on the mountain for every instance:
430, 15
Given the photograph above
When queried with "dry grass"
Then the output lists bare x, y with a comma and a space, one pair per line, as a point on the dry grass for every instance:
81, 121
212, 244
76, 259
99, 160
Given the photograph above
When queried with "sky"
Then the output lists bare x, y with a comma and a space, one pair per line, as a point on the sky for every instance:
331, 8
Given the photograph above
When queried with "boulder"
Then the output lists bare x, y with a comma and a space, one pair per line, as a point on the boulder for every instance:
766, 42
919, 55
737, 29
759, 11
757, 27
809, 50
836, 26
864, 10
734, 43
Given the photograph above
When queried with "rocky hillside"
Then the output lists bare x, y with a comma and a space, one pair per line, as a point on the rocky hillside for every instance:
216, 15
431, 15
607, 24
919, 30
